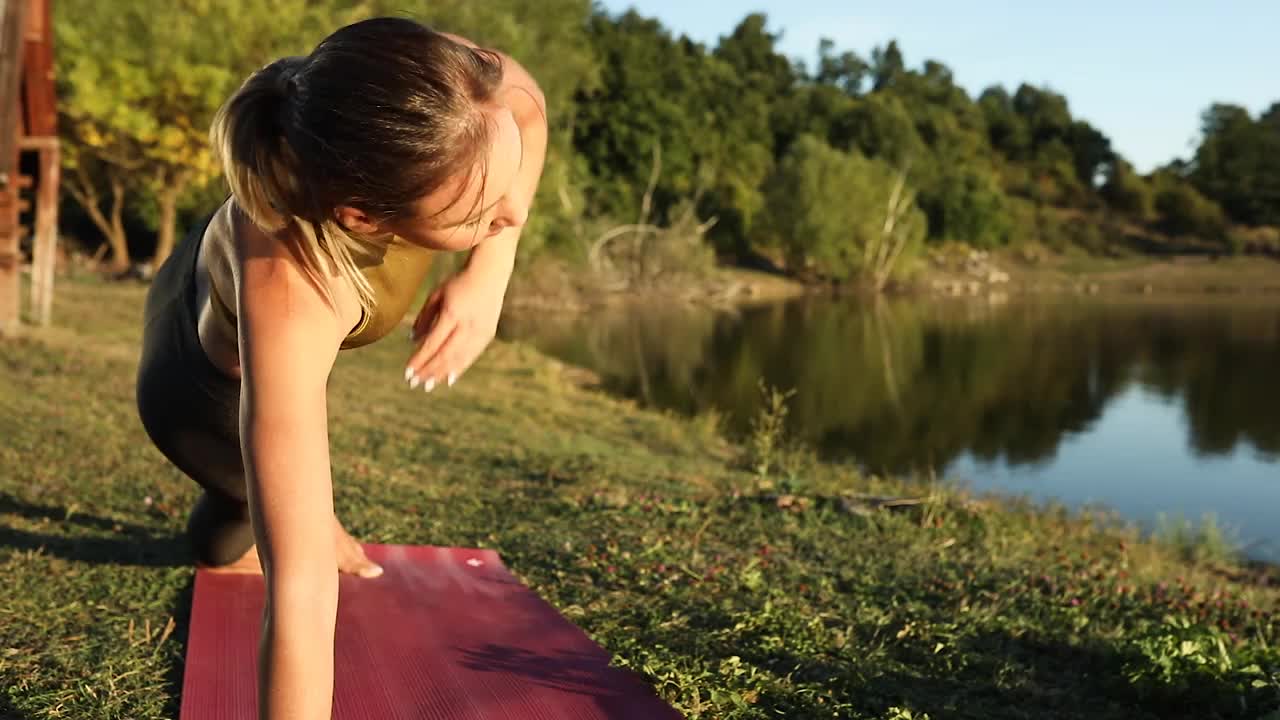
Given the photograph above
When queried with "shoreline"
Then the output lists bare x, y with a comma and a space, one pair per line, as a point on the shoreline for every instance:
999, 276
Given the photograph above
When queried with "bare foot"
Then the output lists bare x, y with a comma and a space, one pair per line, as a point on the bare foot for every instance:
351, 558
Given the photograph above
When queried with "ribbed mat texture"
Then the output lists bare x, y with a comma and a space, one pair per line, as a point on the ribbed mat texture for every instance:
443, 634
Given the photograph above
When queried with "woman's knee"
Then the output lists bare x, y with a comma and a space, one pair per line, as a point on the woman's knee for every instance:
219, 530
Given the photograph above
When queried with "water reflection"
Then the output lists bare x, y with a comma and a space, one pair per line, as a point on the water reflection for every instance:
903, 386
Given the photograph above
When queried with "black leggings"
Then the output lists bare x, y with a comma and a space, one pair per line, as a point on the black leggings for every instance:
191, 409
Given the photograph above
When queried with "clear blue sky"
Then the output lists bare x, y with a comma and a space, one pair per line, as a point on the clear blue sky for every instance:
1140, 70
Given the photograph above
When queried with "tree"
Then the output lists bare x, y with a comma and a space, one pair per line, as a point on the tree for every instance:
845, 70
840, 215
1128, 192
967, 205
141, 82
749, 50
711, 121
1238, 163
1090, 151
887, 65
1007, 130
1184, 211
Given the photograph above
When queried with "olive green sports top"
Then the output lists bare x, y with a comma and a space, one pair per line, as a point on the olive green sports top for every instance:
395, 277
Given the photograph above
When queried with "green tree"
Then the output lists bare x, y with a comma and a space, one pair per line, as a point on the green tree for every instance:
1007, 130
887, 65
1184, 211
1090, 152
967, 205
1128, 192
1238, 163
827, 213
845, 70
140, 83
750, 50
710, 120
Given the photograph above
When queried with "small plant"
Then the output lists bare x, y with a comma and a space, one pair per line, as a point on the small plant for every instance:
897, 713
1207, 542
1178, 658
766, 445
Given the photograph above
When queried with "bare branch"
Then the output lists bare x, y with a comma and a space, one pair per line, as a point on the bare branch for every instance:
646, 205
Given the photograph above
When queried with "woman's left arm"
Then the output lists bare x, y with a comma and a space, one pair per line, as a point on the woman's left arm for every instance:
460, 318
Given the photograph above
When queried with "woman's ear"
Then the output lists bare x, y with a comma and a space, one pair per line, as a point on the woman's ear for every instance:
356, 220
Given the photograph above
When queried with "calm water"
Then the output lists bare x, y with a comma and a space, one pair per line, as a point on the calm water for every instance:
1147, 407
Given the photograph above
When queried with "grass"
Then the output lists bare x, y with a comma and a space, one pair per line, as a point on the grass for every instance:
652, 533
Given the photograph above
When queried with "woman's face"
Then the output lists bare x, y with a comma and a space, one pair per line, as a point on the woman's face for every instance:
471, 208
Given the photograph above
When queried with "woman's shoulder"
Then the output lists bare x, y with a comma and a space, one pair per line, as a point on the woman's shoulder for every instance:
265, 259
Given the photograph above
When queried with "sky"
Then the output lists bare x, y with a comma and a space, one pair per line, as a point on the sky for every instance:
1141, 71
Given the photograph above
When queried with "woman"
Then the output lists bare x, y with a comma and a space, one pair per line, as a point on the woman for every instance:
348, 168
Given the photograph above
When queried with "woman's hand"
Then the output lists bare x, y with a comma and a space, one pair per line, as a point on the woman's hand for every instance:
460, 318
455, 325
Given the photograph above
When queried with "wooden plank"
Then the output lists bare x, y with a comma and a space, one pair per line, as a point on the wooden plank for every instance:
37, 142
12, 23
38, 92
45, 253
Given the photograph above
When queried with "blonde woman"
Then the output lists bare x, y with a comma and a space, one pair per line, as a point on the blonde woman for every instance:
348, 169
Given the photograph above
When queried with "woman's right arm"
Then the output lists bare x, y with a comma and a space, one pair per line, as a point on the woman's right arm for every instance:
289, 338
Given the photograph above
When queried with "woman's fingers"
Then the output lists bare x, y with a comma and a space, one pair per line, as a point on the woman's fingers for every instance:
450, 361
435, 339
448, 364
352, 559
436, 362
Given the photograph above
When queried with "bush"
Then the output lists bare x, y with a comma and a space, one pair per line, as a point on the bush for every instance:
827, 211
1182, 210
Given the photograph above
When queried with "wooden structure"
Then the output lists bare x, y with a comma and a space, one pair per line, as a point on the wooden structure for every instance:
28, 124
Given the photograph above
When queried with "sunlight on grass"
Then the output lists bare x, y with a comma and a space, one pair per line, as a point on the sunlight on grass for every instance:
652, 533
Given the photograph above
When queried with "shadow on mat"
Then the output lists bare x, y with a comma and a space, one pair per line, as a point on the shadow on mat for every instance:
567, 671
130, 545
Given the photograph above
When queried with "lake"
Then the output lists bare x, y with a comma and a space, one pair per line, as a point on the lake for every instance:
1146, 406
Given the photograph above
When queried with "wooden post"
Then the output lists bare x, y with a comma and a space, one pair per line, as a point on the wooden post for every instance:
45, 246
12, 23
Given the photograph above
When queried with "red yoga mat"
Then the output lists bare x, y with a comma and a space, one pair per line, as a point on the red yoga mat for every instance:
443, 634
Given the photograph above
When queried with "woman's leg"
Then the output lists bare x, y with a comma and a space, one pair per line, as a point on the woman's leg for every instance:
191, 410
219, 529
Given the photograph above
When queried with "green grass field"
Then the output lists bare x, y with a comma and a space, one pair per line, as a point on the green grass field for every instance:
642, 528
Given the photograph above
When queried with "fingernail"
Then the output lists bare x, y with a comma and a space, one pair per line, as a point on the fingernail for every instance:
372, 571
414, 382
453, 378
408, 373
429, 385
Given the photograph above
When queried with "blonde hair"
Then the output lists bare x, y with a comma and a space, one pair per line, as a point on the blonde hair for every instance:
379, 115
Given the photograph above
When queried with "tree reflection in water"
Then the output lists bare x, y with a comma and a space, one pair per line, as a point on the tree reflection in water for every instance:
909, 385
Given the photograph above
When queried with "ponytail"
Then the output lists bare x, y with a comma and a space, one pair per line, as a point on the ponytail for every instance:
251, 138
